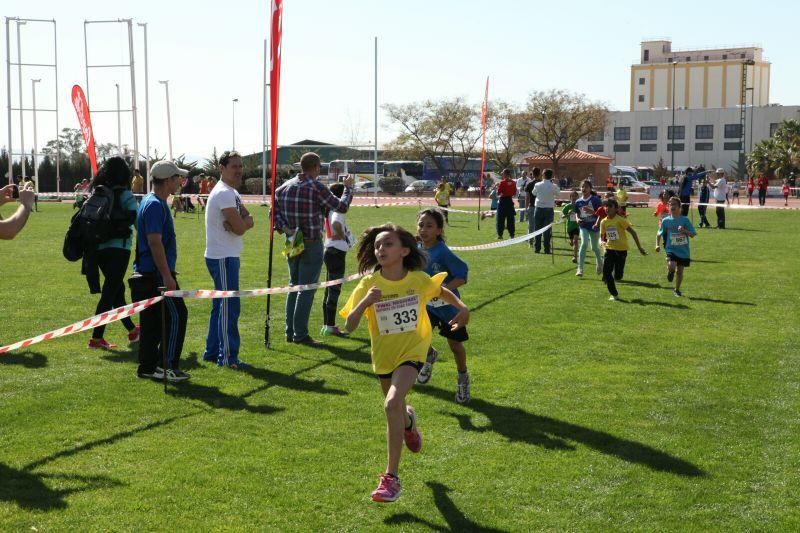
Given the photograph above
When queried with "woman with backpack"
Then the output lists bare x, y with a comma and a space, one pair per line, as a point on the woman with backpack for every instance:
113, 255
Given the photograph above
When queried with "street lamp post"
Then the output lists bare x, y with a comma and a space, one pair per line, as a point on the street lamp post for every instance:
119, 123
146, 104
21, 120
671, 138
169, 122
35, 143
233, 123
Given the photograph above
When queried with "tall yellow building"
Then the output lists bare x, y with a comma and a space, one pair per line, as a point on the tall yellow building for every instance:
703, 79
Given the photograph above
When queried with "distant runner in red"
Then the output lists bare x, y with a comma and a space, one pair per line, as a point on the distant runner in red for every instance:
506, 191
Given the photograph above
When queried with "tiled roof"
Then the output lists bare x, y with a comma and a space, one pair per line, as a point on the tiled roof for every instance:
572, 155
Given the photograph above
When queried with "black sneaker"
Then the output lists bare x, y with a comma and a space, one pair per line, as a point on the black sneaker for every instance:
156, 373
174, 375
677, 293
670, 275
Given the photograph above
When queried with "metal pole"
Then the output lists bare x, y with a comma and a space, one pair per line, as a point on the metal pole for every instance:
21, 106
146, 110
35, 143
133, 97
86, 59
264, 129
672, 139
375, 180
169, 123
233, 123
58, 140
119, 123
752, 111
8, 94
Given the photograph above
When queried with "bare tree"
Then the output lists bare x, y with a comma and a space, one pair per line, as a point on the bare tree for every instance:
552, 123
499, 136
437, 130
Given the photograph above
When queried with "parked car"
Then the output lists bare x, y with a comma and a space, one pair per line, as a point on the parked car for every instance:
630, 184
367, 187
421, 186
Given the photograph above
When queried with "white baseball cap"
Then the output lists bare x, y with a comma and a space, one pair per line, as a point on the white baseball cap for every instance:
720, 171
166, 169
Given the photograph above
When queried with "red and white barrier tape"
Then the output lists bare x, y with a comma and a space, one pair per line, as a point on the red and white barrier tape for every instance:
502, 244
98, 320
207, 294
741, 206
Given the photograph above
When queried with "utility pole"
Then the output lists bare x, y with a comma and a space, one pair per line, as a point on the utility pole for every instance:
169, 122
35, 143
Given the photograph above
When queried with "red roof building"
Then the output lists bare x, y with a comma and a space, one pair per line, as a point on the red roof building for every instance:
575, 164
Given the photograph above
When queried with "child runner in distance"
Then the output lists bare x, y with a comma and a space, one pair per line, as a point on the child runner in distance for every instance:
785, 192
393, 297
676, 230
430, 226
338, 241
586, 207
442, 198
573, 231
613, 230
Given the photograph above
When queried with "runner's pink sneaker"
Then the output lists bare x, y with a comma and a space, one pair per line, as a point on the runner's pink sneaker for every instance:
388, 489
133, 335
101, 344
412, 436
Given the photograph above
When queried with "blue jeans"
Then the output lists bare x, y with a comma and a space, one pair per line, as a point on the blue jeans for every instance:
222, 339
303, 269
542, 216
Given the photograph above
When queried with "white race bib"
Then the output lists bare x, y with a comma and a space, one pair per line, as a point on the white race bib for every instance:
398, 315
437, 302
612, 234
678, 239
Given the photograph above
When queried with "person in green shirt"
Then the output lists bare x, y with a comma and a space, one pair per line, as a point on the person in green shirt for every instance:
573, 230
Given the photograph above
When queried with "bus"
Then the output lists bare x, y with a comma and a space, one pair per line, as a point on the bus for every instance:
409, 171
360, 170
451, 164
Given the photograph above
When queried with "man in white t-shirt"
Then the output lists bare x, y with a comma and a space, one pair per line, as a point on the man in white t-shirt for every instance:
721, 196
546, 192
227, 220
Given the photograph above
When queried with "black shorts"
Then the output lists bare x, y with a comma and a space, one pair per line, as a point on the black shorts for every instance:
574, 232
679, 260
736, 194
415, 364
459, 335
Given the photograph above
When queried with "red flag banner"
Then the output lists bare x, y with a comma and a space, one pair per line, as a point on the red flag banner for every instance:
82, 109
276, 33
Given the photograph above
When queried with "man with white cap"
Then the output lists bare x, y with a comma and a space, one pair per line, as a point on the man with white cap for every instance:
721, 196
154, 267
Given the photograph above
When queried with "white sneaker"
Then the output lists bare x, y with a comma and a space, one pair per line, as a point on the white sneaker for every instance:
579, 272
462, 392
426, 371
600, 266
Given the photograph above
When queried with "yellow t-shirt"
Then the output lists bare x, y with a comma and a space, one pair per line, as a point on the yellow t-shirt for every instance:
399, 327
441, 197
614, 232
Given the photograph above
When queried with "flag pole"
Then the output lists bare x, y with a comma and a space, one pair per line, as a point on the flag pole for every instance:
276, 32
483, 148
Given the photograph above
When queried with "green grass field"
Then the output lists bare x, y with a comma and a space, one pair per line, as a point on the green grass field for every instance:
656, 413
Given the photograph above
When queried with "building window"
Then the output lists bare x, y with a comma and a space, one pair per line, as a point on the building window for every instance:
622, 134
742, 56
648, 133
704, 131
594, 148
688, 59
641, 98
598, 136
646, 56
773, 127
733, 131
679, 131
733, 146
641, 81
704, 147
705, 58
675, 147
724, 56
622, 147
648, 147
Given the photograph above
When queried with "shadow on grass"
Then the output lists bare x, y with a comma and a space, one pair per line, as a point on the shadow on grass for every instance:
642, 284
746, 229
518, 425
714, 301
455, 518
29, 491
639, 301
289, 381
216, 399
516, 289
25, 359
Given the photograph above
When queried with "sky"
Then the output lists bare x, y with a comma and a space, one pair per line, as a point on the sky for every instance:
213, 52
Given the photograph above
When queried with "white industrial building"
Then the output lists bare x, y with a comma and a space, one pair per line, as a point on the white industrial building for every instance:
705, 88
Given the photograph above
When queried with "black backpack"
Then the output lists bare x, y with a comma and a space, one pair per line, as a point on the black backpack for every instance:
101, 217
